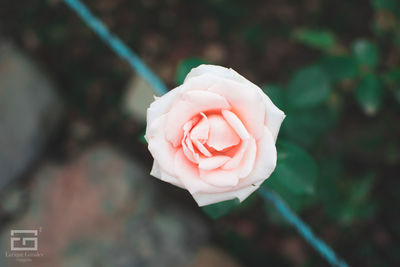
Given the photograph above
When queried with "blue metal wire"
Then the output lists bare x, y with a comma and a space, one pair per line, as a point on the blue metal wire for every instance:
137, 64
302, 228
117, 45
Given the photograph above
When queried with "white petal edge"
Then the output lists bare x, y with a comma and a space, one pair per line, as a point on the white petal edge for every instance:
159, 174
160, 106
219, 71
162, 151
273, 116
265, 161
203, 199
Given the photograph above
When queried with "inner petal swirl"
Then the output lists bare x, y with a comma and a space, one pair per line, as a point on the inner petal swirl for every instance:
214, 140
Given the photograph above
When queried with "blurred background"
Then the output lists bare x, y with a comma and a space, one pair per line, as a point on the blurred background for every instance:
74, 164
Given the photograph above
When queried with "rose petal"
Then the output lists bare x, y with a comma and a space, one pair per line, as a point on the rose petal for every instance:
161, 105
212, 163
187, 145
188, 150
158, 173
188, 174
202, 148
236, 124
201, 83
203, 199
191, 104
273, 117
263, 167
161, 150
219, 177
218, 71
246, 102
234, 162
248, 159
265, 161
201, 130
221, 133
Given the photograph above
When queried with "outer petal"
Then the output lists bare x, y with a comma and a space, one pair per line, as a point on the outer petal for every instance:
203, 199
273, 116
212, 162
265, 161
220, 178
218, 71
160, 106
200, 83
161, 150
191, 104
158, 173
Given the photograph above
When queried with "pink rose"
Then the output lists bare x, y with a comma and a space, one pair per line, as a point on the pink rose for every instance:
214, 135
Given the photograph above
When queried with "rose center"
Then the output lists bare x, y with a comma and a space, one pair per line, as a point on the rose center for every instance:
209, 135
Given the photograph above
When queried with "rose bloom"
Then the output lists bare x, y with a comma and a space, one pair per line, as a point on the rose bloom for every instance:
214, 135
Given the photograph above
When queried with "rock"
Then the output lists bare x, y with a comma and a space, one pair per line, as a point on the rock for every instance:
103, 209
138, 98
212, 257
29, 110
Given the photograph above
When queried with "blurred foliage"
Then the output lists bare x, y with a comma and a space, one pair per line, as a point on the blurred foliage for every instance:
324, 40
218, 210
185, 66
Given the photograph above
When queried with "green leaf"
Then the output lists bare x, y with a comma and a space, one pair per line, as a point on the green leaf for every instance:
308, 88
185, 66
392, 79
254, 35
361, 188
356, 204
389, 5
340, 68
314, 38
220, 209
141, 138
305, 127
366, 53
296, 171
344, 200
369, 94
276, 94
